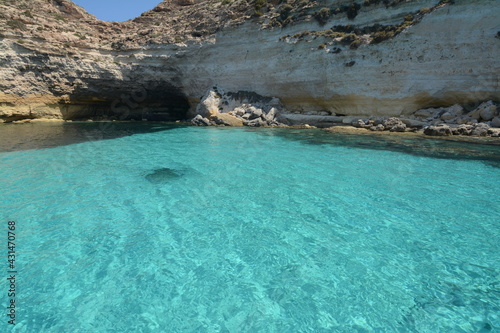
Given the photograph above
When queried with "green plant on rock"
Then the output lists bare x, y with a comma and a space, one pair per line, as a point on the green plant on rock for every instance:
285, 11
258, 13
350, 34
348, 39
28, 14
302, 34
322, 15
302, 3
287, 21
352, 11
355, 44
329, 33
258, 5
16, 24
59, 17
382, 35
79, 35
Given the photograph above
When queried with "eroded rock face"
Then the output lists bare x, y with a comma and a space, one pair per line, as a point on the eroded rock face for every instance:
58, 61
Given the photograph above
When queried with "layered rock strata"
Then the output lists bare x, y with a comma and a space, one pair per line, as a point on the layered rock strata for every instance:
58, 61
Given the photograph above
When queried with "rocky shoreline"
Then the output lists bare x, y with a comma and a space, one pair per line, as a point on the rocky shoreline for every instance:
248, 109
237, 109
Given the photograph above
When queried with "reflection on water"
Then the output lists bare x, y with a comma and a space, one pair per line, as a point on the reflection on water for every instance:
15, 137
45, 135
485, 149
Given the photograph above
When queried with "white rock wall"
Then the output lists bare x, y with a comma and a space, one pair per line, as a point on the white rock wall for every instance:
451, 57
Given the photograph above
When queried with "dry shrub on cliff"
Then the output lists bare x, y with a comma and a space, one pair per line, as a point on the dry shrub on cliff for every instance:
348, 39
16, 24
322, 15
352, 10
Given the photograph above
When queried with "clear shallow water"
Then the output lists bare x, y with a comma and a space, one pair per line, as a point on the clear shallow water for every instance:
186, 229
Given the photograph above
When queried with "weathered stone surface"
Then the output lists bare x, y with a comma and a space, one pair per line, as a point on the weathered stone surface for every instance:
359, 123
394, 125
239, 111
319, 121
441, 130
494, 132
495, 122
254, 113
425, 113
413, 123
227, 109
258, 122
448, 116
209, 105
466, 120
377, 128
462, 130
228, 120
480, 129
488, 111
199, 120
271, 115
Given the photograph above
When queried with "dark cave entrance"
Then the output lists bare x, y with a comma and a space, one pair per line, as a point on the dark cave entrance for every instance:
152, 101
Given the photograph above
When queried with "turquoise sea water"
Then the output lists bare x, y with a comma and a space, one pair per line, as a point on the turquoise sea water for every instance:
165, 228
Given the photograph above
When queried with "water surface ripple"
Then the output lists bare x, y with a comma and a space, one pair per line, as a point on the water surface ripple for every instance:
187, 229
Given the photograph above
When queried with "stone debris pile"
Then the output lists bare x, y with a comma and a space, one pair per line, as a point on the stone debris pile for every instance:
237, 109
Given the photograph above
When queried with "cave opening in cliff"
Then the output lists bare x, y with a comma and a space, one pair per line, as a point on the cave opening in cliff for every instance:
152, 101
158, 101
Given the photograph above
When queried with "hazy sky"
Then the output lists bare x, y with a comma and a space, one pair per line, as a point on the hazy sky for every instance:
117, 10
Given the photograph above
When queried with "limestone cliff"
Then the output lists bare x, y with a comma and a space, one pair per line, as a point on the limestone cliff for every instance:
332, 56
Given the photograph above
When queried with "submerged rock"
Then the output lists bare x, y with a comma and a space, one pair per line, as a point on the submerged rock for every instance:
163, 175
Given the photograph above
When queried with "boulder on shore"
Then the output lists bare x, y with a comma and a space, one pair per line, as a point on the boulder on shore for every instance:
439, 130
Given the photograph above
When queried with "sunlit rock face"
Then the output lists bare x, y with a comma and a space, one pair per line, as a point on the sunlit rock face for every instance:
64, 63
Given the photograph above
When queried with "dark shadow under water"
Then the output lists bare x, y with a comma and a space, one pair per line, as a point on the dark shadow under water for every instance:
163, 175
14, 137
483, 149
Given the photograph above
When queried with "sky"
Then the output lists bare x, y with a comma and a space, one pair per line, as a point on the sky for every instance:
117, 10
